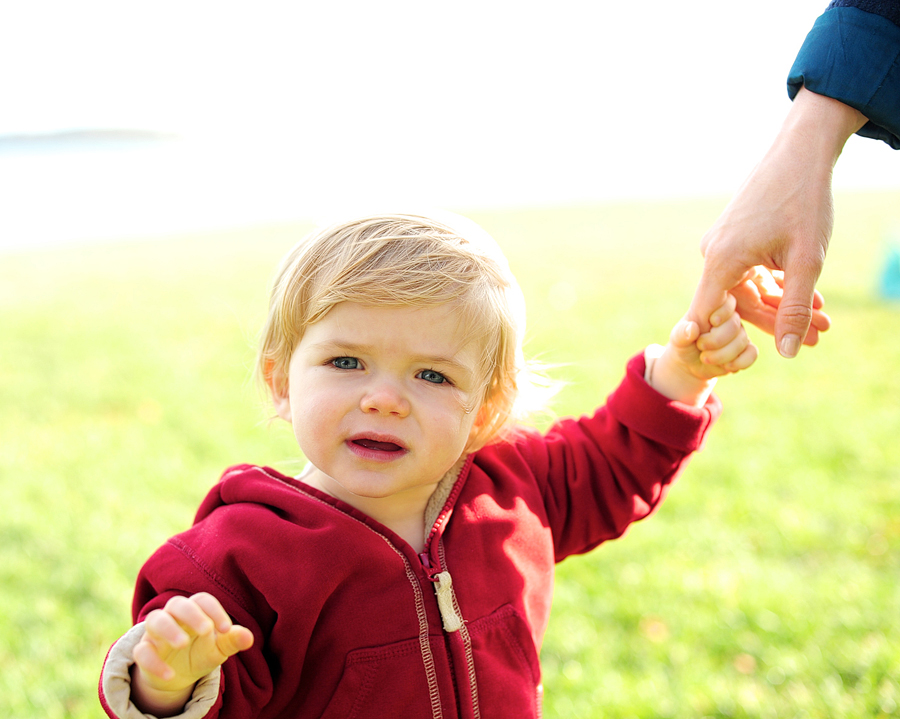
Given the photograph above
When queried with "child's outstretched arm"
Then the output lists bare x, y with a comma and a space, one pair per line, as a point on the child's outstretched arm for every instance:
690, 363
182, 643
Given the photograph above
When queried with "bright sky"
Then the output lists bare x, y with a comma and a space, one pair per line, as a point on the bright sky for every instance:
453, 103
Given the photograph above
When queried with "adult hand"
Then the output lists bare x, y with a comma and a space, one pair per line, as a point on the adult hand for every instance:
760, 295
780, 219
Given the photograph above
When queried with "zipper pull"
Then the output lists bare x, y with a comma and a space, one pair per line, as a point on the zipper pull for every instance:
447, 603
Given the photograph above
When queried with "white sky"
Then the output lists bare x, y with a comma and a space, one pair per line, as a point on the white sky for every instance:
452, 103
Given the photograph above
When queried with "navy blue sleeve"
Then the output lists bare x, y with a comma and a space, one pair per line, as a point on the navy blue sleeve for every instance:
852, 54
889, 9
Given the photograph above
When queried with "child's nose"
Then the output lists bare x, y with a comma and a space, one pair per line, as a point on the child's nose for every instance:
384, 396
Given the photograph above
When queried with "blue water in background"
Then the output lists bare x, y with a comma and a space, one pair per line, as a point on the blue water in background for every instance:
119, 184
81, 188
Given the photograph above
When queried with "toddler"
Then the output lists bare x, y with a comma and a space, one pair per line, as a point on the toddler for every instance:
408, 570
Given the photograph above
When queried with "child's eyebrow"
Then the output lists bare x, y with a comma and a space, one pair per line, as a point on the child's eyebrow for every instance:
341, 346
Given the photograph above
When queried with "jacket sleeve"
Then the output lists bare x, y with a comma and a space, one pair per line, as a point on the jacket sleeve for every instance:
115, 684
603, 472
852, 54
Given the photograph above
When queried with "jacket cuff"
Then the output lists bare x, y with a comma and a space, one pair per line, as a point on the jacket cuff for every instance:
644, 410
115, 683
854, 56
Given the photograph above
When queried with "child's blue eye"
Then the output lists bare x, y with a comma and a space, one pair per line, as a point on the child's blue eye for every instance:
429, 375
345, 362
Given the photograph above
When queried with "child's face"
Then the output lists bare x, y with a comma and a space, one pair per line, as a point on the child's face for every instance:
378, 397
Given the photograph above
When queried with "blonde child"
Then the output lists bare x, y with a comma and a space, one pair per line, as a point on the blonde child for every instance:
407, 571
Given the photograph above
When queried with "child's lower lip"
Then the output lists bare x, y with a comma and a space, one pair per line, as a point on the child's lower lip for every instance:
377, 451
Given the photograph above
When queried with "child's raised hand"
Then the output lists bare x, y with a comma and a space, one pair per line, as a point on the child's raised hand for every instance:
182, 643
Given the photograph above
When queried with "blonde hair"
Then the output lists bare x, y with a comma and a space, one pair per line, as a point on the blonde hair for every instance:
406, 260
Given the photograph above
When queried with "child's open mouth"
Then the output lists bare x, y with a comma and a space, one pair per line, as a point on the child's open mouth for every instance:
378, 448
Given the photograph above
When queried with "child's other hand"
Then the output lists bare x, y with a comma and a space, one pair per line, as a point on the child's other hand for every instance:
725, 349
182, 643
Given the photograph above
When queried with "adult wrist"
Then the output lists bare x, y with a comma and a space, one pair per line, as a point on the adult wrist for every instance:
821, 123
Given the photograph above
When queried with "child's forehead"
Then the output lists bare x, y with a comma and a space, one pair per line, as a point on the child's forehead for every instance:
437, 331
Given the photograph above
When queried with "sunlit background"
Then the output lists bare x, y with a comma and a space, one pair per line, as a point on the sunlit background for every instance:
130, 119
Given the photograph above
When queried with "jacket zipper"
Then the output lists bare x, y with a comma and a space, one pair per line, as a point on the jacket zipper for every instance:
421, 612
454, 619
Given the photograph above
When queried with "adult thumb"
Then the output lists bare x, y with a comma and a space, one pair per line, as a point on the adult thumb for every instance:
795, 311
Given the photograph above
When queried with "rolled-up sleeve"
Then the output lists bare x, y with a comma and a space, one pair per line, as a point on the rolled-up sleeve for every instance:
853, 55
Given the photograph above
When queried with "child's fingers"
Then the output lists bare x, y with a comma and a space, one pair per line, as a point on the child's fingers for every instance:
191, 617
214, 610
163, 629
186, 639
744, 359
176, 626
148, 660
230, 638
721, 315
722, 335
727, 353
235, 640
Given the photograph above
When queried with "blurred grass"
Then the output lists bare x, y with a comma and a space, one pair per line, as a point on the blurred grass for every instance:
766, 586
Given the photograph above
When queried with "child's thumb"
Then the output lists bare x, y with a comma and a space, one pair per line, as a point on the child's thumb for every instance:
235, 640
685, 332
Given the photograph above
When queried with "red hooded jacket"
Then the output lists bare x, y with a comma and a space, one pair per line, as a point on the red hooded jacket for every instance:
350, 622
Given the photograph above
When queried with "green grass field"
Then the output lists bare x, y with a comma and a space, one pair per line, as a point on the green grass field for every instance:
768, 585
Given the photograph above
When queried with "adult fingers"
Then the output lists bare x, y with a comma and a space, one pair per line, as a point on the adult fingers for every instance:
820, 320
763, 314
771, 296
818, 298
751, 308
795, 311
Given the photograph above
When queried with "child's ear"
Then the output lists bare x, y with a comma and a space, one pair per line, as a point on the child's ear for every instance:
278, 388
